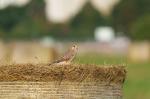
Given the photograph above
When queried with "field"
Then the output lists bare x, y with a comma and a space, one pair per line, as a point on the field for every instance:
137, 84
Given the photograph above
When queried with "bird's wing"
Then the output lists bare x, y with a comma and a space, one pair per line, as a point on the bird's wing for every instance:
65, 57
68, 56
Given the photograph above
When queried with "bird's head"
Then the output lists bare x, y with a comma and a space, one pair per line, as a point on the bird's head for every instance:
74, 47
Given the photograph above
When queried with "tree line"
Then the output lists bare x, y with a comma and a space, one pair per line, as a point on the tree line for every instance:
130, 17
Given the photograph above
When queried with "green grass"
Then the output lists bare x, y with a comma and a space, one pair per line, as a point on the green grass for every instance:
100, 59
137, 84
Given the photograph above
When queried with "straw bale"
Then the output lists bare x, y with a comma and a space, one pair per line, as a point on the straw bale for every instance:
40, 81
43, 72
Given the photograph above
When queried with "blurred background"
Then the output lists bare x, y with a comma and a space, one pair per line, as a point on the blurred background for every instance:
106, 31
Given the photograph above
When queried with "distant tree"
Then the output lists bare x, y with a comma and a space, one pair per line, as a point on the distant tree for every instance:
140, 29
24, 22
127, 12
10, 17
34, 24
30, 22
84, 24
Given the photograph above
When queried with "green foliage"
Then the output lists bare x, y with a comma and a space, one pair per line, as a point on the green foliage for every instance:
141, 28
84, 24
24, 22
30, 22
11, 16
34, 25
30, 28
81, 26
127, 12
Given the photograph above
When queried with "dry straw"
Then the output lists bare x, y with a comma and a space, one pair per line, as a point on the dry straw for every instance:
28, 81
73, 73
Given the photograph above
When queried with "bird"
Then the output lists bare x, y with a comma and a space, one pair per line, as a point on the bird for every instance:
67, 58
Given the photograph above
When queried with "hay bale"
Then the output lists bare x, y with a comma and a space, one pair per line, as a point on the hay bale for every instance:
5, 53
139, 52
31, 52
30, 81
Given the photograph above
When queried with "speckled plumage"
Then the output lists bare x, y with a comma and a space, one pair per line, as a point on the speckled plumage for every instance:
67, 57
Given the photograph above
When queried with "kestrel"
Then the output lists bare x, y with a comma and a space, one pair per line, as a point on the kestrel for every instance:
67, 57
